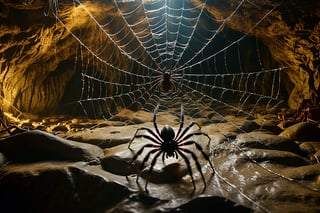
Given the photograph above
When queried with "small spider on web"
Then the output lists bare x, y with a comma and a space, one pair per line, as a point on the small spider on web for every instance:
167, 82
171, 145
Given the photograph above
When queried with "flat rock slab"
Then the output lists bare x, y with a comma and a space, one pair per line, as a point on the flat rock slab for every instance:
105, 137
36, 145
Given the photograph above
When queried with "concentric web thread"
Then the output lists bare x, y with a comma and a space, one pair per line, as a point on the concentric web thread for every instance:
213, 71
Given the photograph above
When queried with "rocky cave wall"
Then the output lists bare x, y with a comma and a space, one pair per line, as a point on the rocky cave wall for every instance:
292, 34
37, 52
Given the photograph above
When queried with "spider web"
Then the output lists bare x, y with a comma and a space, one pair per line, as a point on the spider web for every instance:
136, 42
215, 72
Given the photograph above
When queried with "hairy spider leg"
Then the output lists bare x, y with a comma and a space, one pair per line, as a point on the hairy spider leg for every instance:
145, 159
158, 83
195, 158
181, 122
187, 129
155, 120
153, 162
140, 152
143, 136
186, 137
163, 159
148, 130
173, 84
186, 160
199, 147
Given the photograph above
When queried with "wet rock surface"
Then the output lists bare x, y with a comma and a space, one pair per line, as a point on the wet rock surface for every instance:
257, 171
36, 145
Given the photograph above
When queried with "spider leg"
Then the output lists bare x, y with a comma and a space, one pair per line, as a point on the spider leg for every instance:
144, 136
181, 122
155, 120
186, 137
163, 158
188, 165
155, 83
158, 84
145, 159
199, 147
153, 162
187, 129
172, 82
195, 158
148, 130
140, 152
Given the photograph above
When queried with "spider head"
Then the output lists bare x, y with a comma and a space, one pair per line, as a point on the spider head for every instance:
167, 133
166, 76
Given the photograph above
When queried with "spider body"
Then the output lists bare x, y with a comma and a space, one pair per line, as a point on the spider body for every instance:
167, 82
170, 144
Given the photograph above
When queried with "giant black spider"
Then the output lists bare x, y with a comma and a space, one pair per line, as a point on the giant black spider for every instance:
170, 144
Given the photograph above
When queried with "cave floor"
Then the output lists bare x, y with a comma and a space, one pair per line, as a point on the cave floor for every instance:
64, 165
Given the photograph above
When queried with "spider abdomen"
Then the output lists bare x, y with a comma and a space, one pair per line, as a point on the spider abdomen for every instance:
166, 82
167, 133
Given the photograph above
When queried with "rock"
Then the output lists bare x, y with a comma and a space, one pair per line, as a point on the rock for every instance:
270, 126
117, 161
36, 145
310, 147
2, 159
302, 131
218, 138
77, 126
27, 125
249, 125
288, 123
271, 175
317, 158
60, 128
283, 158
132, 117
265, 140
308, 172
108, 136
58, 187
41, 127
208, 204
139, 202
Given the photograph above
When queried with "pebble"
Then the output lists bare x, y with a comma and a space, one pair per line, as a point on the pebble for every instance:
60, 128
